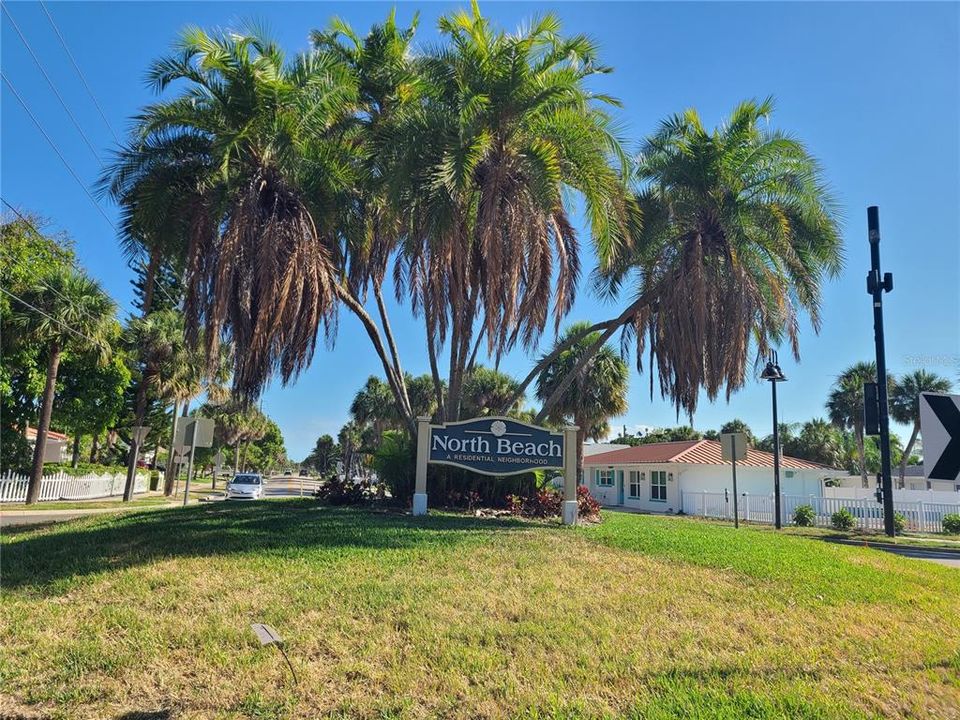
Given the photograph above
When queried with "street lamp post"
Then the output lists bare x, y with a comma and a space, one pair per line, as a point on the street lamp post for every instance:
773, 374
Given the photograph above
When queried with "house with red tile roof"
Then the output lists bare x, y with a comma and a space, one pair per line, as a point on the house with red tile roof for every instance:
654, 477
55, 450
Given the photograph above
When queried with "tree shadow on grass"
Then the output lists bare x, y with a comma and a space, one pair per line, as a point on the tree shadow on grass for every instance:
38, 560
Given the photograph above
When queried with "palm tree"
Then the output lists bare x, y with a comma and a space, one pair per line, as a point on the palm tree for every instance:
845, 405
157, 341
738, 233
485, 390
71, 312
484, 166
262, 174
739, 426
905, 405
598, 393
818, 441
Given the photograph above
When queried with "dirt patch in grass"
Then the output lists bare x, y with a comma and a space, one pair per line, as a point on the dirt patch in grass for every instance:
453, 616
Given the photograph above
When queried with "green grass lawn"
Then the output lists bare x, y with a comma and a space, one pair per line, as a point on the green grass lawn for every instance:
146, 615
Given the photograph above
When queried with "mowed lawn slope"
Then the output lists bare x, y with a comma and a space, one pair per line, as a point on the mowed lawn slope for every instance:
147, 615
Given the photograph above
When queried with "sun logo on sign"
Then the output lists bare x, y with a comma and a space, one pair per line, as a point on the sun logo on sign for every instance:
498, 428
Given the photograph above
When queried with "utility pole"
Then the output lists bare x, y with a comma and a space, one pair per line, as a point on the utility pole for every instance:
876, 286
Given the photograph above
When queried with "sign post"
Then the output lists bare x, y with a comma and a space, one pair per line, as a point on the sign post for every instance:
733, 447
198, 432
496, 446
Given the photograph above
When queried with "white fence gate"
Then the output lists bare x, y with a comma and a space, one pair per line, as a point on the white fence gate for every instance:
920, 516
13, 488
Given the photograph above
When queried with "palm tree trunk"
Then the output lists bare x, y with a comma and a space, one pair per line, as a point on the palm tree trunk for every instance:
168, 473
906, 452
139, 414
43, 426
75, 460
236, 458
94, 446
581, 436
246, 446
149, 281
395, 380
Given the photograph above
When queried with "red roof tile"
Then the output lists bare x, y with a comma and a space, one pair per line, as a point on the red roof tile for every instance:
694, 452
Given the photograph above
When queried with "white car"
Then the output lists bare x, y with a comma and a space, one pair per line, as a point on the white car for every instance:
245, 486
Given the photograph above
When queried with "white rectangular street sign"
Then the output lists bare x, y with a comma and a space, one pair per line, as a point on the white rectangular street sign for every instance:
194, 431
940, 431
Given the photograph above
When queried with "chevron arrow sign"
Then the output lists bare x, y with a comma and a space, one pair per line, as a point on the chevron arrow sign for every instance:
940, 430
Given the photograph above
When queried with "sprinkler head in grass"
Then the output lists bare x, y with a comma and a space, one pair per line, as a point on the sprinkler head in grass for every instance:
268, 636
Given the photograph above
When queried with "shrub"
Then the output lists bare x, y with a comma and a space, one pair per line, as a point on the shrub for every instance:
951, 523
395, 463
804, 516
843, 519
587, 504
899, 522
548, 503
345, 491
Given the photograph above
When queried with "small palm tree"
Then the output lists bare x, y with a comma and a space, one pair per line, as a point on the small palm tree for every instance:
486, 390
598, 393
157, 342
845, 405
72, 312
905, 405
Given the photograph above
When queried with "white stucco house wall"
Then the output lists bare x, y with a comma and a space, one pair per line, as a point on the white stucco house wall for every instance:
653, 477
56, 449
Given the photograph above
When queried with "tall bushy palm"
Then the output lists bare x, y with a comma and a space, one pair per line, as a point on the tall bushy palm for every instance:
598, 392
265, 173
72, 312
738, 233
905, 405
845, 405
484, 165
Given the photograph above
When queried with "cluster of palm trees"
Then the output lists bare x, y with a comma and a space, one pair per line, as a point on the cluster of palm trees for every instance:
845, 405
289, 189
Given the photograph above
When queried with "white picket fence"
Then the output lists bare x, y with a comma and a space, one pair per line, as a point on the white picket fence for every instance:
926, 517
13, 487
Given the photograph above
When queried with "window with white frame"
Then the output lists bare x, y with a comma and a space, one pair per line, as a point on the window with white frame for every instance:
605, 478
658, 485
636, 483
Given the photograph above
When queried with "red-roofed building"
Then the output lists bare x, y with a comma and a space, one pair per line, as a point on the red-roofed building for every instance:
56, 448
654, 477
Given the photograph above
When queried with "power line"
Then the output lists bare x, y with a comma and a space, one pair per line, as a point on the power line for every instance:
76, 332
76, 67
56, 149
75, 176
53, 87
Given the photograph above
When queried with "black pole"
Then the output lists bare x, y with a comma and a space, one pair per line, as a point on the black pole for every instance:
776, 459
876, 287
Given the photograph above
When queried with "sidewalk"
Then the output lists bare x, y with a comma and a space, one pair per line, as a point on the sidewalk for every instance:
43, 516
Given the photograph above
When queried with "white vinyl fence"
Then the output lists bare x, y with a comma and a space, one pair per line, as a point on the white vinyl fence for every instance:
13, 487
920, 516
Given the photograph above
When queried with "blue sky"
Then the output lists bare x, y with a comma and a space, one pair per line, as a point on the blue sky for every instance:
872, 88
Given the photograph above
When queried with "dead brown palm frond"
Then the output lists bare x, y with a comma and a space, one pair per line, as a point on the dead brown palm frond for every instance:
268, 278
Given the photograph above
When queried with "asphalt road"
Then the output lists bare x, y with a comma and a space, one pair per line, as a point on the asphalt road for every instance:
950, 558
281, 486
